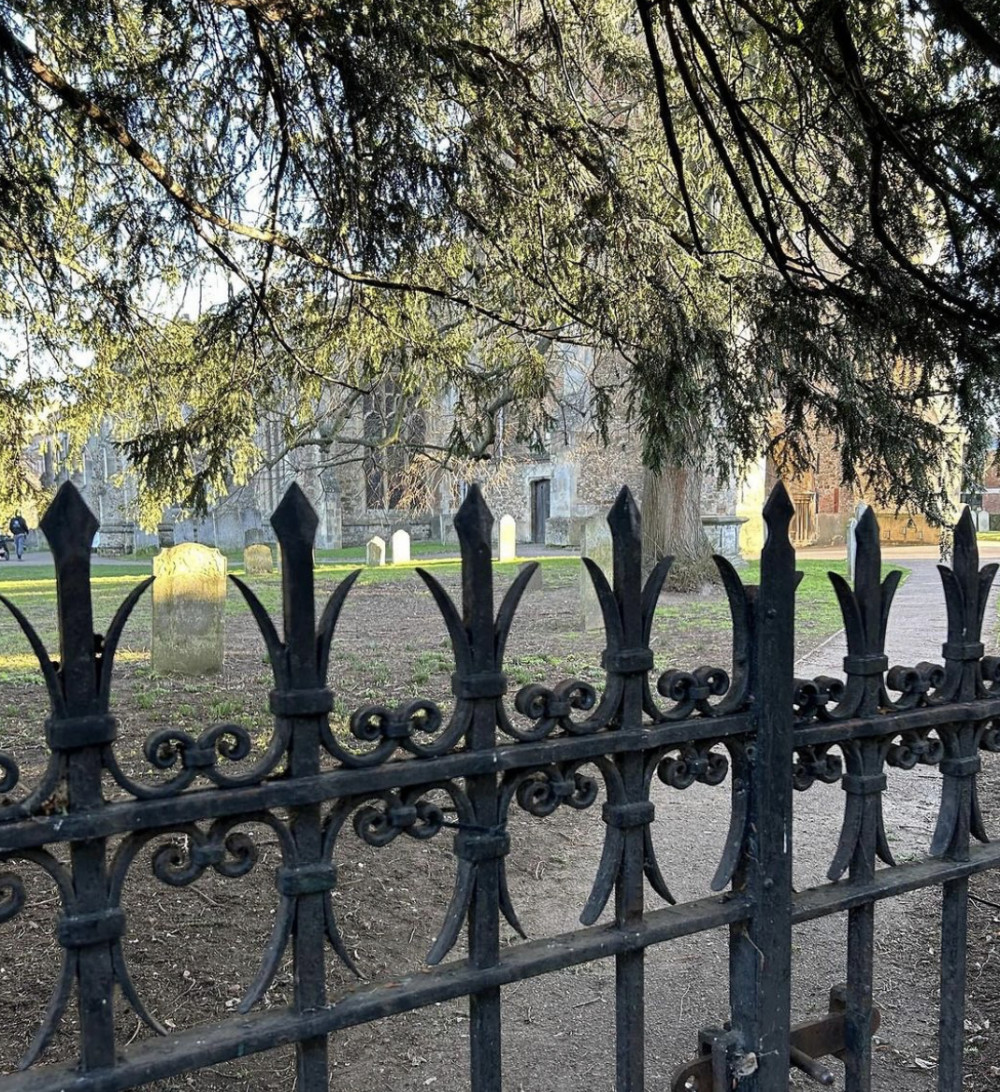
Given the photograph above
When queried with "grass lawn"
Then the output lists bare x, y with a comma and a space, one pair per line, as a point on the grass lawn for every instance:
817, 613
32, 588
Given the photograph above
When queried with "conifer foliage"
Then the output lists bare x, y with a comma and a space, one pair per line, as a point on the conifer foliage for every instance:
766, 212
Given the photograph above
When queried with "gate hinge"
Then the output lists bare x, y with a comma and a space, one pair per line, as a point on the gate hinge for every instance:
721, 1064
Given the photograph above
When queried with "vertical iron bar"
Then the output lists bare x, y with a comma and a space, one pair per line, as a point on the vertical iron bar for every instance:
760, 949
69, 527
858, 1013
864, 781
630, 1018
307, 701
474, 524
958, 769
967, 590
954, 935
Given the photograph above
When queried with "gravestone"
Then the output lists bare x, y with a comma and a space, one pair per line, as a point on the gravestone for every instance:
257, 559
189, 599
535, 583
508, 539
852, 539
376, 551
983, 521
596, 544
400, 547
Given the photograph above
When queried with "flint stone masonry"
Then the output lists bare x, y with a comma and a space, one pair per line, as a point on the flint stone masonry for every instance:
357, 532
597, 546
376, 551
189, 599
400, 547
508, 539
257, 559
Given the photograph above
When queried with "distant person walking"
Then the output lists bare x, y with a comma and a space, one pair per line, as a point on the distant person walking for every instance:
19, 529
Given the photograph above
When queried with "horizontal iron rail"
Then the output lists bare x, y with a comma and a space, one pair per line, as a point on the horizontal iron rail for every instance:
211, 1044
893, 721
211, 803
832, 898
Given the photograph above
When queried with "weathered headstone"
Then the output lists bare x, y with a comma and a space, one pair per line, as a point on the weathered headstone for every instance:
535, 583
508, 539
400, 546
189, 600
852, 547
165, 534
376, 551
852, 539
983, 521
597, 546
257, 559
723, 534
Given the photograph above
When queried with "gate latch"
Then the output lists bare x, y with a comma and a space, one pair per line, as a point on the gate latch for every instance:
720, 1065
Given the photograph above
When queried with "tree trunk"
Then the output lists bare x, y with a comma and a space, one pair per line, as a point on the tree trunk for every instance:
671, 526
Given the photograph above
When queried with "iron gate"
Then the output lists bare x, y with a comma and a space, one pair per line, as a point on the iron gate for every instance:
756, 727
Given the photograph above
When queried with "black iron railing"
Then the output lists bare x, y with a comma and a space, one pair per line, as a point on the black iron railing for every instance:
754, 726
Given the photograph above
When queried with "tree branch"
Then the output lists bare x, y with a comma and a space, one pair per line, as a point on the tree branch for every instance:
81, 103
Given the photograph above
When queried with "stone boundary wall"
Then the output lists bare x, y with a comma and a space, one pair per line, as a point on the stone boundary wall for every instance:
357, 533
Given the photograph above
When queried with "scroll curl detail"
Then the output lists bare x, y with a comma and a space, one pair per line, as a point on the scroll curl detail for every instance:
552, 709
813, 696
375, 723
542, 792
396, 814
913, 747
171, 749
179, 863
915, 684
816, 763
693, 762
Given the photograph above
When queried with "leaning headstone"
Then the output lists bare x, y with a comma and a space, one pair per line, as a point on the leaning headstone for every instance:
508, 539
257, 559
189, 600
597, 546
983, 521
535, 583
400, 547
376, 551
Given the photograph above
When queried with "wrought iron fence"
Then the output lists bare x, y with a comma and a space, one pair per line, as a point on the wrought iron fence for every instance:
754, 726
